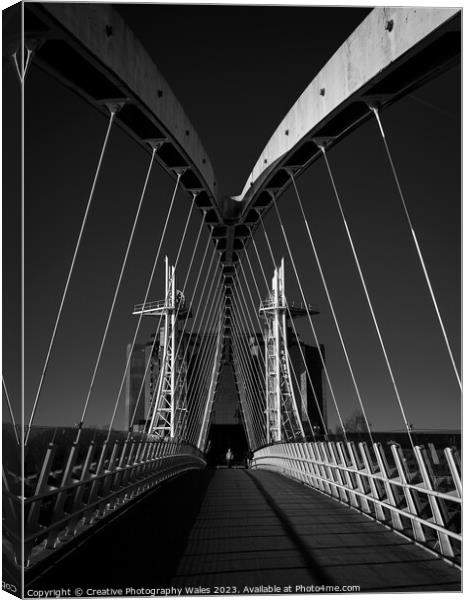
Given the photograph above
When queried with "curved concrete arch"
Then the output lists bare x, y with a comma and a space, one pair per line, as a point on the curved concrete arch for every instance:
91, 50
392, 51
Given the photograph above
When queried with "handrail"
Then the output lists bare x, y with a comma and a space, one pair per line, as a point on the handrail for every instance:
53, 515
402, 494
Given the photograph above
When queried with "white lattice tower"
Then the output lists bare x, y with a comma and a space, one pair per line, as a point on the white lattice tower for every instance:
282, 416
167, 416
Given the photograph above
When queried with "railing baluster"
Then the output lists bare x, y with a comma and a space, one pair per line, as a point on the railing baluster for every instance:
353, 498
386, 473
359, 478
369, 465
453, 461
412, 501
438, 508
79, 491
61, 497
337, 471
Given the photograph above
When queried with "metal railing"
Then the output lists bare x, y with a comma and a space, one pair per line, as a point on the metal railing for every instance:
403, 489
56, 512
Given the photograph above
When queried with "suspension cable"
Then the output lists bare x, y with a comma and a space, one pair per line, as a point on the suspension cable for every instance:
200, 360
256, 386
332, 309
113, 112
252, 391
375, 110
206, 365
150, 281
198, 305
10, 410
364, 285
249, 423
247, 398
117, 289
255, 381
216, 360
196, 383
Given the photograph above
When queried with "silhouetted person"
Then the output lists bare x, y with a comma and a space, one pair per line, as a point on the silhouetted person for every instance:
229, 457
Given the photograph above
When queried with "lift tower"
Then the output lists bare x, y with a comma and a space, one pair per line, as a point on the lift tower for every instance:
167, 416
282, 414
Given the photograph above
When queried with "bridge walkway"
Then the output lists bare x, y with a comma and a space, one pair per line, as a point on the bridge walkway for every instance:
233, 527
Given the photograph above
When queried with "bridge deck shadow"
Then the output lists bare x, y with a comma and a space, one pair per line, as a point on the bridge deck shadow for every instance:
247, 528
259, 528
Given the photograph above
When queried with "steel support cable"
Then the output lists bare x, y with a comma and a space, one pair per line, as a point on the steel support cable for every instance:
212, 379
148, 287
246, 399
309, 377
332, 309
250, 394
10, 410
195, 392
322, 359
297, 340
148, 362
252, 386
248, 422
187, 381
200, 269
261, 264
257, 391
113, 112
241, 312
375, 110
200, 367
251, 441
202, 321
248, 312
252, 383
252, 429
260, 374
178, 307
366, 292
202, 384
190, 335
116, 292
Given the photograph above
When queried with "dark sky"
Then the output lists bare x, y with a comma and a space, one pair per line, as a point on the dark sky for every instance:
236, 71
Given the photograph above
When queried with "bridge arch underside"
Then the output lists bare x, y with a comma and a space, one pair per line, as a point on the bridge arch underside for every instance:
90, 49
392, 52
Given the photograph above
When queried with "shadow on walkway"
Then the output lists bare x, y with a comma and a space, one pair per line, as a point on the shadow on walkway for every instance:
142, 547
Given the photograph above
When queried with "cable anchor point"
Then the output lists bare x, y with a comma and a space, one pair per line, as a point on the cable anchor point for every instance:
114, 105
323, 142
